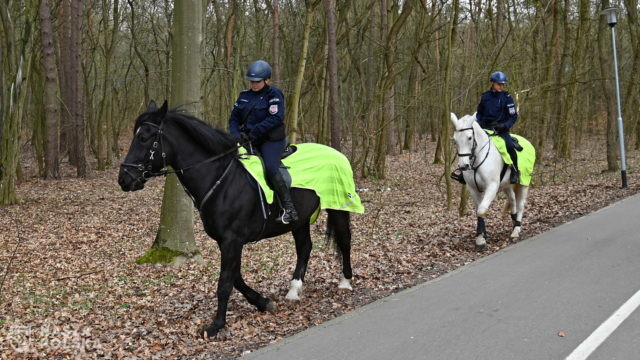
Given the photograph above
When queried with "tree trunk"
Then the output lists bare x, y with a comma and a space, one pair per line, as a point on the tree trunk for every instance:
569, 116
77, 87
631, 98
606, 65
106, 103
334, 116
175, 238
17, 66
292, 118
385, 128
230, 30
50, 101
447, 95
67, 137
275, 62
135, 41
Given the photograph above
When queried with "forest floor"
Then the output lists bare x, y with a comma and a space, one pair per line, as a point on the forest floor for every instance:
70, 288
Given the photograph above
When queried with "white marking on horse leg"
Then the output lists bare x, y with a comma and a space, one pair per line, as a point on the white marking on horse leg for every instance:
516, 232
480, 240
294, 290
345, 284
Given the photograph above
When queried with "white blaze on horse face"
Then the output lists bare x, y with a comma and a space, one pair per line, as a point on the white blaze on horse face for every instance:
463, 137
294, 290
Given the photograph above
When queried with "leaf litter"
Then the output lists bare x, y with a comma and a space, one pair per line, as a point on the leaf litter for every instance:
73, 291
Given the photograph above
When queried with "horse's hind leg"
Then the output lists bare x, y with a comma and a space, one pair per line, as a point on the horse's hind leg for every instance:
302, 238
521, 201
481, 233
338, 228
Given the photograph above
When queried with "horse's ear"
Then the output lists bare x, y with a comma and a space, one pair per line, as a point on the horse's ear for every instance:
454, 119
152, 106
163, 109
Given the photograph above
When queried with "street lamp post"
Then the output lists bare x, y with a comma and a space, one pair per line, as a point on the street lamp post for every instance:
610, 13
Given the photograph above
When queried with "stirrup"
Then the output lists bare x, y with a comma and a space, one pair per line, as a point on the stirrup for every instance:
286, 217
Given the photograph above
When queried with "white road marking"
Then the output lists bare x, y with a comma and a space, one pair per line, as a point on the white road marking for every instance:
590, 344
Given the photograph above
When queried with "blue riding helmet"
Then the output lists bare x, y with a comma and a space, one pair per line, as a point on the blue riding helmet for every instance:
258, 70
498, 77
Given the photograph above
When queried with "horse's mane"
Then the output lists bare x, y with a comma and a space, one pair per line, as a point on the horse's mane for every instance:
211, 139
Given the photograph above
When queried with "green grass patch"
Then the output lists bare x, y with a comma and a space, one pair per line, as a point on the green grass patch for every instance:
158, 255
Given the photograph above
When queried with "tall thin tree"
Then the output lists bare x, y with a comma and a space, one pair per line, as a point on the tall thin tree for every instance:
51, 93
334, 114
175, 240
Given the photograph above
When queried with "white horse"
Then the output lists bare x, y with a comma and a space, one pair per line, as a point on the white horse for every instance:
482, 165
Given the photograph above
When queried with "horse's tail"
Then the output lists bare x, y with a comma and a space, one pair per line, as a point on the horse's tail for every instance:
339, 231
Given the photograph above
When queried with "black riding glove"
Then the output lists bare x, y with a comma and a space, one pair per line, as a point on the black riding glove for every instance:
500, 128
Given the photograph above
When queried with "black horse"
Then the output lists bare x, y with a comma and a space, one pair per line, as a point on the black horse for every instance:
206, 162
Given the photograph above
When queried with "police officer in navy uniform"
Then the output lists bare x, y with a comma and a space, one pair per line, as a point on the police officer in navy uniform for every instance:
497, 111
258, 117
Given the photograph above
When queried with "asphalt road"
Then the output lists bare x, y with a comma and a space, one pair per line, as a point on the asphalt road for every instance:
514, 304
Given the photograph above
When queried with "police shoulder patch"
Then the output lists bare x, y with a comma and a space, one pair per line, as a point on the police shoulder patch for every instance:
274, 100
273, 109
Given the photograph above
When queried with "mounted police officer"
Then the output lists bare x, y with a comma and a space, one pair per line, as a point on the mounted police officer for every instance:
497, 111
258, 117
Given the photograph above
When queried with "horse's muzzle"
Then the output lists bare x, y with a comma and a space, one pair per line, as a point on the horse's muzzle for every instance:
464, 167
128, 181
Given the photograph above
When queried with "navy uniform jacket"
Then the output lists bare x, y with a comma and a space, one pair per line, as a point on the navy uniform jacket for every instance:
260, 114
497, 110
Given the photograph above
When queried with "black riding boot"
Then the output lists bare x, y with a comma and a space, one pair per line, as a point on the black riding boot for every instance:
514, 178
457, 176
280, 187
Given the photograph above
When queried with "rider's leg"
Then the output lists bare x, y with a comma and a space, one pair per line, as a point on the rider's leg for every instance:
458, 176
271, 152
514, 178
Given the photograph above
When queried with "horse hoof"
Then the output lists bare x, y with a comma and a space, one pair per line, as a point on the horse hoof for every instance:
272, 306
292, 296
482, 247
345, 284
516, 232
209, 333
294, 290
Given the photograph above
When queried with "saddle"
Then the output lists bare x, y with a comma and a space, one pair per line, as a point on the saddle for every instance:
288, 151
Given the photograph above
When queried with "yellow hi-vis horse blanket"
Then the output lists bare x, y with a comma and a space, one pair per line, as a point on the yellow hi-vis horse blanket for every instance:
526, 157
316, 167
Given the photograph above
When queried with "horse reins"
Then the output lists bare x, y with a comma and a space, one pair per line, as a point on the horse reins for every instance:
472, 156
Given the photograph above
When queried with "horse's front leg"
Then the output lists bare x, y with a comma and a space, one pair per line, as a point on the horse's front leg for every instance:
481, 233
487, 198
253, 297
481, 211
230, 252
